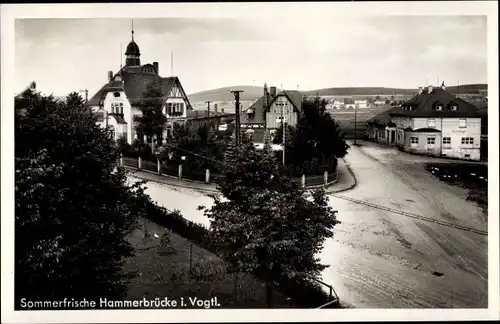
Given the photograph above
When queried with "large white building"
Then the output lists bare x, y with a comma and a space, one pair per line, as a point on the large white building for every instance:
433, 122
120, 99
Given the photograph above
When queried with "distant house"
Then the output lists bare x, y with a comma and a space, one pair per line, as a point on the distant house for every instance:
361, 103
338, 103
379, 102
120, 99
433, 122
261, 120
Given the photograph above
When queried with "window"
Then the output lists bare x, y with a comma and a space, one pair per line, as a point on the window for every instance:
169, 108
439, 107
453, 107
414, 140
116, 94
467, 140
431, 123
121, 108
462, 123
447, 140
431, 140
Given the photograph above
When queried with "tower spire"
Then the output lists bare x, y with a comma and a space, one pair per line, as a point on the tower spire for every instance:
132, 29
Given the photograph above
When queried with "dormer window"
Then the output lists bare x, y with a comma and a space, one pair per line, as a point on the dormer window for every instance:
452, 106
438, 106
250, 113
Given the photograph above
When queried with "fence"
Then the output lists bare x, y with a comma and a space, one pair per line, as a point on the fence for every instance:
188, 173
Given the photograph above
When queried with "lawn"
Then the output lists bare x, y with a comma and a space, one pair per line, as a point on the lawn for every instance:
162, 266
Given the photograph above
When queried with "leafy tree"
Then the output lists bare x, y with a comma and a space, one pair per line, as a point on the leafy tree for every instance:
73, 207
152, 121
201, 145
74, 99
264, 223
123, 146
316, 140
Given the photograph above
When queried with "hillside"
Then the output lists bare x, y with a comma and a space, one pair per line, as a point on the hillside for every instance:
361, 91
254, 92
223, 94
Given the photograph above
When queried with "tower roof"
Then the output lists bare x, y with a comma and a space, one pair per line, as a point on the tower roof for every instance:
132, 49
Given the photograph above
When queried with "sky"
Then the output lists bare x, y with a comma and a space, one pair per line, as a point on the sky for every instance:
64, 55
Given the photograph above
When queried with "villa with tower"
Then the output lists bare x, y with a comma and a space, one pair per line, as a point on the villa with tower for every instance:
118, 101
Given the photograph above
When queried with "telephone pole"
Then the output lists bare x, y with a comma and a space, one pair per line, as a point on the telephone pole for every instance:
236, 93
355, 111
86, 94
208, 107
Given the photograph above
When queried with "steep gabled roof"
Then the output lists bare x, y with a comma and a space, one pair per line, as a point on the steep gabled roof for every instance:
422, 105
294, 96
134, 83
259, 113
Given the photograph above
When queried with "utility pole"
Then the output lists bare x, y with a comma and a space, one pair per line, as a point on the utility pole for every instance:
208, 107
355, 113
236, 93
86, 94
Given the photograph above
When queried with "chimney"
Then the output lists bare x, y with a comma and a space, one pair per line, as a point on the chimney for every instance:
273, 92
420, 90
215, 108
265, 95
110, 75
429, 89
157, 67
222, 111
443, 86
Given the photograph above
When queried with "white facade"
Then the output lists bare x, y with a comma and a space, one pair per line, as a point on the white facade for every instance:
361, 104
275, 114
460, 137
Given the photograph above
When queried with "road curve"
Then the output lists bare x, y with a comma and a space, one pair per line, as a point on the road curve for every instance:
381, 259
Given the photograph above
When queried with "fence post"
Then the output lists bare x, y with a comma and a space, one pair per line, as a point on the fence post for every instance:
180, 171
326, 178
121, 159
158, 166
207, 176
303, 180
139, 163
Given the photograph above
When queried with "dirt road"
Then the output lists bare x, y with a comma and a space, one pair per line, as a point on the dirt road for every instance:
386, 260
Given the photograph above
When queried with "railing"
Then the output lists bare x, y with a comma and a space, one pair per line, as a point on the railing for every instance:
189, 173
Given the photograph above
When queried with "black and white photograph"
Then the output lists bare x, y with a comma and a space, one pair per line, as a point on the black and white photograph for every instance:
251, 161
